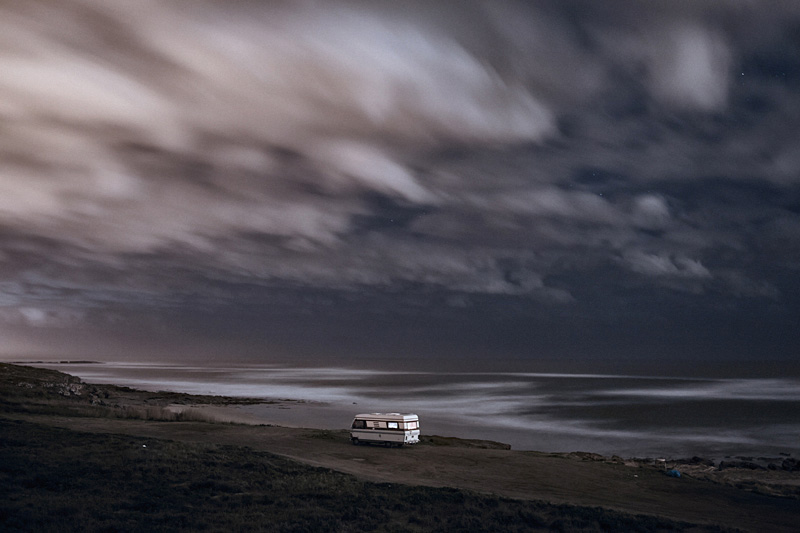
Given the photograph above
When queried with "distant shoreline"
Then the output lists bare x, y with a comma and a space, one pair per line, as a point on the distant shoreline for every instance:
62, 362
676, 367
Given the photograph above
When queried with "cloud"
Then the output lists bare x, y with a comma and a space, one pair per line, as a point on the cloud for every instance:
742, 286
38, 317
663, 265
550, 202
150, 151
147, 129
694, 71
651, 212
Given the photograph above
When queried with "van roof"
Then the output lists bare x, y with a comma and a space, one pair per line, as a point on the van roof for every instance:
389, 416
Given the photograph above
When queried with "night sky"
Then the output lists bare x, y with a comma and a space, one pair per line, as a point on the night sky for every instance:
373, 180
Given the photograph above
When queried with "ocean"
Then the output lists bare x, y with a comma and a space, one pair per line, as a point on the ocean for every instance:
625, 415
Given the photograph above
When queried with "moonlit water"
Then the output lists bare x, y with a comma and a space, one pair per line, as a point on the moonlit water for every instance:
631, 416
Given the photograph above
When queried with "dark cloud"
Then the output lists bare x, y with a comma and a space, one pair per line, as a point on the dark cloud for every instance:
478, 176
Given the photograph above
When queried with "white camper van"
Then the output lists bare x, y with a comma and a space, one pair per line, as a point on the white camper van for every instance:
390, 429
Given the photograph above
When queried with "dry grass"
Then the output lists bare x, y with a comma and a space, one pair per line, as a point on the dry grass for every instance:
57, 480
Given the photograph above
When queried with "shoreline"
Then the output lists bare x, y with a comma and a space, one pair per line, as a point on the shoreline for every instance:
229, 410
327, 398
228, 414
629, 416
735, 496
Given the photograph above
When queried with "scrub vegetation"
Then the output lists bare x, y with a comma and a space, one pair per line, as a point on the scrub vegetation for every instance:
54, 478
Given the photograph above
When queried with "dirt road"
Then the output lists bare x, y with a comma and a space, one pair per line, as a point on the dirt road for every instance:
525, 475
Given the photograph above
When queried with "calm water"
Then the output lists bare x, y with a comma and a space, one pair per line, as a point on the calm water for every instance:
631, 416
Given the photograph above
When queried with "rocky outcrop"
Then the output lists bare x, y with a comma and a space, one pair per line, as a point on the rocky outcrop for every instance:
695, 460
43, 383
791, 465
748, 465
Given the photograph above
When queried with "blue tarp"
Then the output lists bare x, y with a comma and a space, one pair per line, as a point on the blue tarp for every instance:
673, 473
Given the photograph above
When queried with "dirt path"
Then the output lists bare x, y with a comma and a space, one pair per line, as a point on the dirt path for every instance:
525, 475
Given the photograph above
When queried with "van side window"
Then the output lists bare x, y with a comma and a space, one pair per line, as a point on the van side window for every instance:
359, 424
391, 425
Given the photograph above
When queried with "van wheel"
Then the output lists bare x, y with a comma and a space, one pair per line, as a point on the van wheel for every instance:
354, 440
